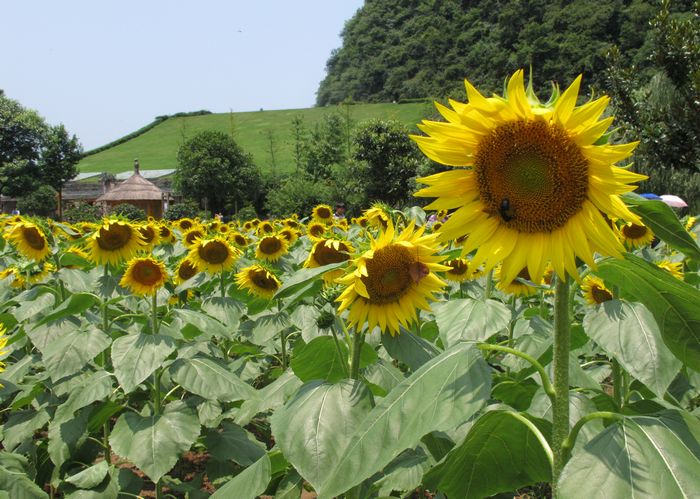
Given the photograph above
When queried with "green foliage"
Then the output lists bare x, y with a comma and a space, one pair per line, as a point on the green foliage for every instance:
660, 105
60, 154
184, 209
297, 195
211, 165
41, 202
82, 212
246, 213
22, 134
128, 211
386, 161
413, 49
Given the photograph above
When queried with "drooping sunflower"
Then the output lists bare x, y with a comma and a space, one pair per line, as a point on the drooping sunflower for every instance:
329, 251
258, 280
386, 284
213, 255
29, 240
271, 248
675, 268
290, 235
14, 275
322, 213
636, 235
377, 216
185, 270
150, 234
165, 234
516, 286
361, 221
533, 179
594, 290
460, 269
113, 242
192, 236
144, 275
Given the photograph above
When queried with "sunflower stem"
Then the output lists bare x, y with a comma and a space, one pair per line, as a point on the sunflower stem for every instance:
284, 350
154, 313
340, 352
223, 291
617, 383
489, 285
357, 343
560, 364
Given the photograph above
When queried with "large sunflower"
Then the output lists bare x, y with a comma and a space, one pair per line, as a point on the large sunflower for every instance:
271, 248
534, 179
29, 240
388, 282
213, 255
258, 281
113, 242
144, 275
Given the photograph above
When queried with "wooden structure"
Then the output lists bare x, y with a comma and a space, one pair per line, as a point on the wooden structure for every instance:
137, 191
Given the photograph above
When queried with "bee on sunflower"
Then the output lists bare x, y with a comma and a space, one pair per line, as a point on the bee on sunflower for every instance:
532, 181
387, 283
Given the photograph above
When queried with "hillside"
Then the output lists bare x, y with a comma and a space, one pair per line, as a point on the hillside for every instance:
415, 48
157, 148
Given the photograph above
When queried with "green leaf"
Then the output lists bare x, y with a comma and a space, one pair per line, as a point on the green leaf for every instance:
32, 309
210, 380
155, 443
75, 305
470, 320
628, 332
503, 451
640, 456
410, 349
384, 375
204, 324
66, 437
266, 327
225, 310
404, 473
443, 393
290, 486
303, 279
673, 303
90, 477
314, 427
662, 220
137, 356
320, 360
250, 483
18, 485
272, 396
77, 280
233, 442
21, 425
96, 386
68, 353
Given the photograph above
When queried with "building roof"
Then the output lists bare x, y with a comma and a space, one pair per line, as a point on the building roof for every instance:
135, 188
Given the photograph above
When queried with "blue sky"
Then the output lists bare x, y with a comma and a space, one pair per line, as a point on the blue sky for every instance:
105, 68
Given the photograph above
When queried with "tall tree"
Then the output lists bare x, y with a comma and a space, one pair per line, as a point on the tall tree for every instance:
22, 133
60, 154
212, 167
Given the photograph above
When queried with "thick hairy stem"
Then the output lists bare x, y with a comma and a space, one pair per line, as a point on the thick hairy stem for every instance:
560, 364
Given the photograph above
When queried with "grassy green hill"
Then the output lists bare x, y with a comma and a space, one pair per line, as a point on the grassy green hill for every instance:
157, 148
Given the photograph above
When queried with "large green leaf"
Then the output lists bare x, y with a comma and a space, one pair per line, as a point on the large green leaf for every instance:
154, 443
662, 220
640, 456
410, 349
65, 437
96, 386
70, 352
233, 442
320, 359
137, 356
33, 308
302, 280
21, 425
503, 451
90, 477
210, 380
443, 393
272, 396
628, 332
314, 428
404, 473
251, 482
17, 484
74, 306
201, 323
470, 320
673, 303
225, 310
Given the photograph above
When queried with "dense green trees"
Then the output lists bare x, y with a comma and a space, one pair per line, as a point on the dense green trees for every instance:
60, 154
395, 50
213, 168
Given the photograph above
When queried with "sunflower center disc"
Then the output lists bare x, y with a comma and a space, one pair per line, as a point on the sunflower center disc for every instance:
600, 295
270, 245
213, 252
33, 238
531, 175
186, 270
325, 255
113, 237
634, 231
388, 274
263, 281
146, 273
323, 213
147, 233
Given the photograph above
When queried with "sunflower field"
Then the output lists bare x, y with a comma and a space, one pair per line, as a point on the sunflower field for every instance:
534, 332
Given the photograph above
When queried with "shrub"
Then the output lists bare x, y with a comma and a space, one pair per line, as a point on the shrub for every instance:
128, 211
185, 209
41, 202
83, 212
